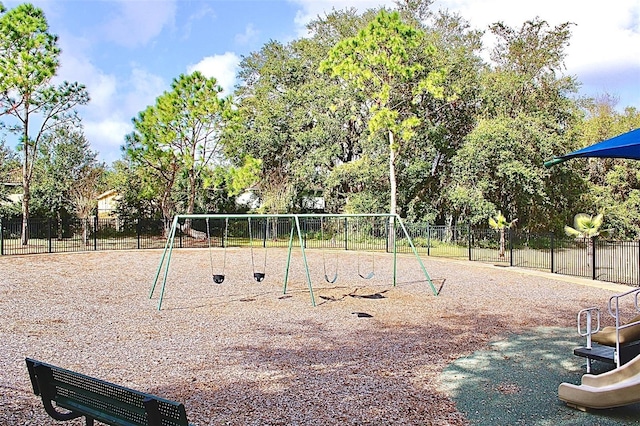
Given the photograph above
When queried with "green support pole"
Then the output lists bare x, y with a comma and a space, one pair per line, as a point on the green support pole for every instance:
415, 252
395, 253
306, 265
164, 253
166, 270
286, 272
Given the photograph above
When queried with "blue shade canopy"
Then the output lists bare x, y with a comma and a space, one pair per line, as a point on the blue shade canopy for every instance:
626, 145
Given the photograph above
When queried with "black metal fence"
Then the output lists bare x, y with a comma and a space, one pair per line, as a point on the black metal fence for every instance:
613, 261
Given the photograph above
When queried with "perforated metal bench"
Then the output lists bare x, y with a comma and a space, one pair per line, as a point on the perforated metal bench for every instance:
99, 400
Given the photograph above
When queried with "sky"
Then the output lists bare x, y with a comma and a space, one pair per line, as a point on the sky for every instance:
127, 52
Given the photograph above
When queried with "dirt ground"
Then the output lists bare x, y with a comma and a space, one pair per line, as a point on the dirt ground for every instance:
245, 353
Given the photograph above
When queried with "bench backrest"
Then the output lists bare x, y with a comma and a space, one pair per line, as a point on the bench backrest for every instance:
102, 401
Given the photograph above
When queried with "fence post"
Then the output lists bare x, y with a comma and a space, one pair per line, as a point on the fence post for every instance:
387, 235
95, 233
138, 231
49, 235
552, 259
593, 257
1, 238
510, 247
346, 239
266, 227
428, 240
469, 239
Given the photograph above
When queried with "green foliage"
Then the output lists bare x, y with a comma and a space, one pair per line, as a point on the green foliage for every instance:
28, 52
137, 191
386, 62
614, 184
28, 61
67, 175
241, 178
499, 222
585, 226
179, 138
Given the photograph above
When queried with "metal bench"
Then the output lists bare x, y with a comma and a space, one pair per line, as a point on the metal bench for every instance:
99, 400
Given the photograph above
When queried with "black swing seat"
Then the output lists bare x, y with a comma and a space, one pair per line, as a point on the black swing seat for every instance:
258, 276
218, 279
368, 276
331, 280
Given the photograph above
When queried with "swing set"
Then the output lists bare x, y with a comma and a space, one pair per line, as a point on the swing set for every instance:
218, 277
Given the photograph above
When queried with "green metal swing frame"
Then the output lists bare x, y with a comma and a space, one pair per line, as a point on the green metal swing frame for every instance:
165, 260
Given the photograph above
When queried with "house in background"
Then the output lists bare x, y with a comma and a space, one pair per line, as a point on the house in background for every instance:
107, 203
12, 187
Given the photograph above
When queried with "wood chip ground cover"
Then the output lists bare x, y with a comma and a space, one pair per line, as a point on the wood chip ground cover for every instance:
244, 353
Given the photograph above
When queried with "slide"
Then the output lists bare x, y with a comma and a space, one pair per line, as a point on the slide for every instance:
628, 333
614, 388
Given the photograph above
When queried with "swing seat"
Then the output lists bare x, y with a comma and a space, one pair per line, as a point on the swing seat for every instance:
367, 277
218, 279
331, 281
258, 276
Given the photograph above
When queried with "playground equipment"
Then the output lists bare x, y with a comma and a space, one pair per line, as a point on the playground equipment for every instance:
619, 345
371, 273
324, 257
614, 388
258, 276
394, 221
218, 278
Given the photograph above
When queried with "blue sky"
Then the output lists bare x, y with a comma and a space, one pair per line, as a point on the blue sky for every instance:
127, 52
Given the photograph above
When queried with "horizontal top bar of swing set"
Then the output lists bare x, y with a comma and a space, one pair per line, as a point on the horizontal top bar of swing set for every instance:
290, 216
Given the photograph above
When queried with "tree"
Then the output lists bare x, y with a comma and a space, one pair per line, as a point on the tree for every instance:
180, 134
526, 117
425, 176
587, 228
614, 184
28, 62
379, 62
281, 122
137, 189
68, 175
500, 224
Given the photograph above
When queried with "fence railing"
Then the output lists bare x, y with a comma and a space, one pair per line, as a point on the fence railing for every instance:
605, 260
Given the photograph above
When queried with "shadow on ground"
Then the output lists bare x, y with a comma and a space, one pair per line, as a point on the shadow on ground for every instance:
515, 382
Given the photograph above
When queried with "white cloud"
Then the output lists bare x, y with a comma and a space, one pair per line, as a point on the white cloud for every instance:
598, 37
142, 89
106, 136
249, 34
604, 49
205, 11
114, 100
222, 67
139, 21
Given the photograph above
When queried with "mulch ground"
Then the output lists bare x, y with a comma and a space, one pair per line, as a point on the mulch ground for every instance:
246, 353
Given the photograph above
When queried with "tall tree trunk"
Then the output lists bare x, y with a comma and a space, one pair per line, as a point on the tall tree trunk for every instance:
26, 179
393, 189
26, 195
392, 174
